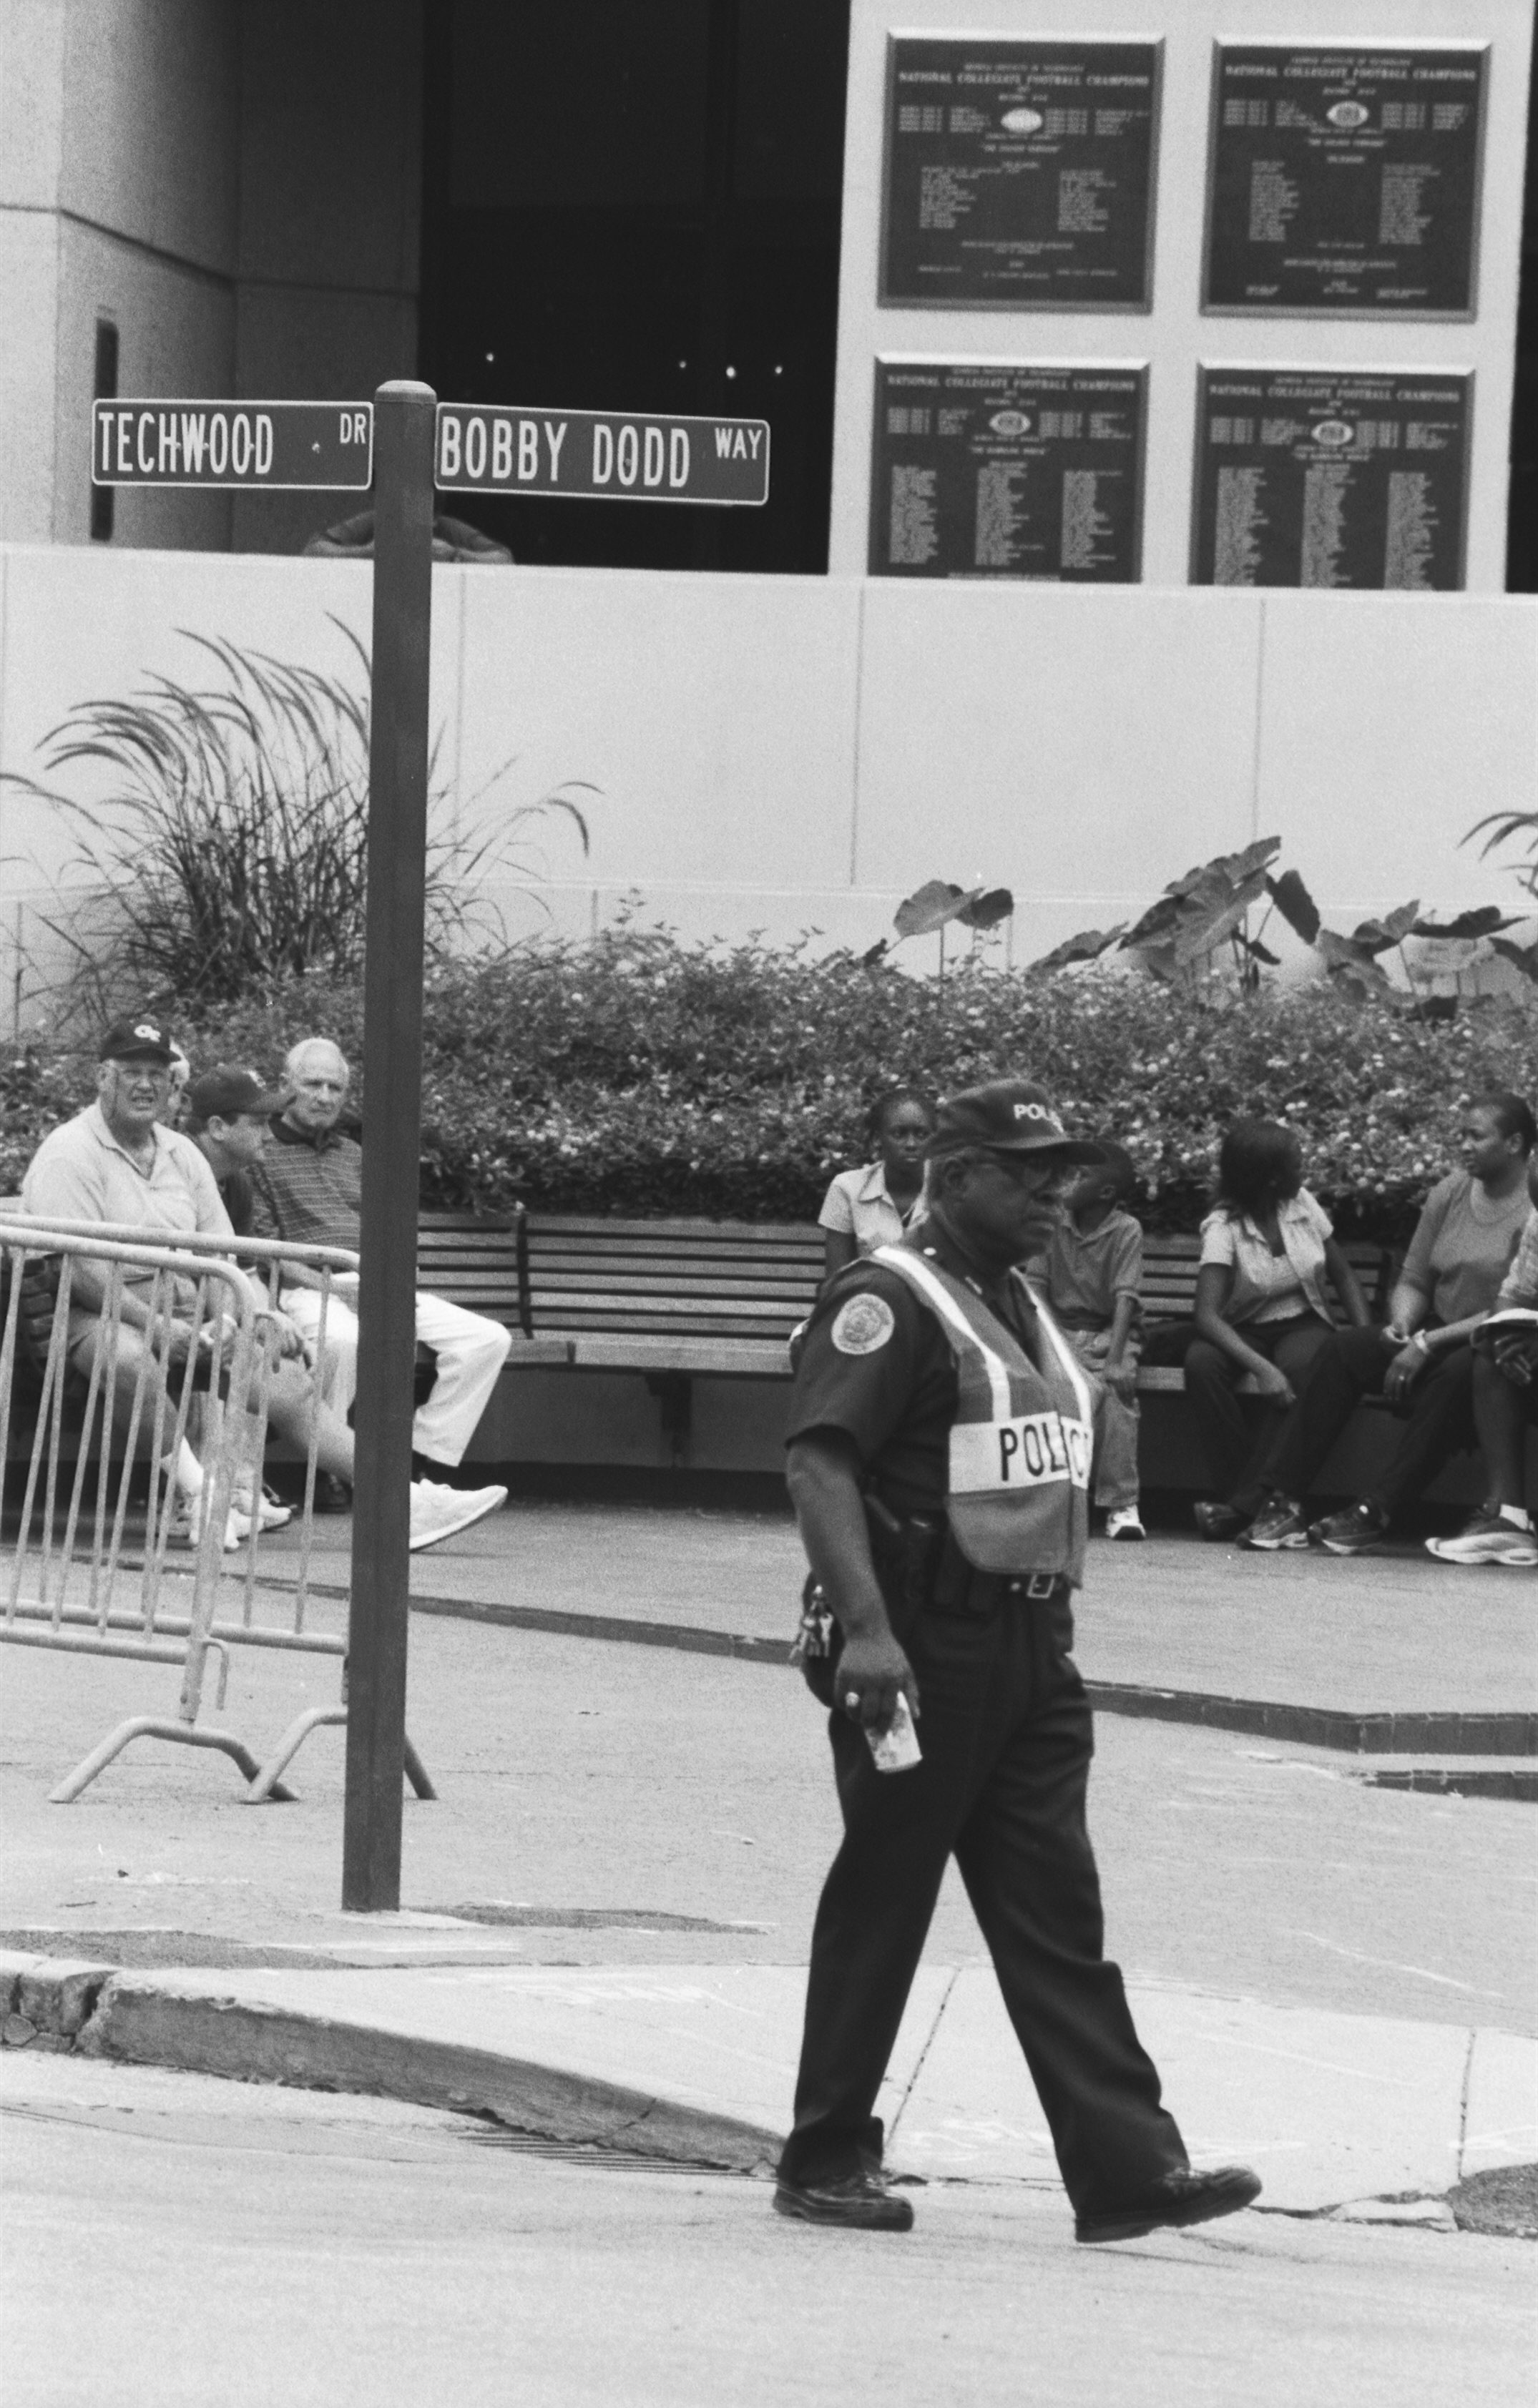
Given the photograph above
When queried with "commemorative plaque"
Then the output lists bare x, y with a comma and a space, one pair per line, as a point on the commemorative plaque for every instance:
1019, 174
1331, 477
994, 470
1344, 181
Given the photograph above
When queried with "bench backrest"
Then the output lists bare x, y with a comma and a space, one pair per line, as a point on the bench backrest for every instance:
705, 1279
684, 1278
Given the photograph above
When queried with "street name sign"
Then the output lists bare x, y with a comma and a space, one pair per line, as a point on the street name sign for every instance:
276, 446
602, 455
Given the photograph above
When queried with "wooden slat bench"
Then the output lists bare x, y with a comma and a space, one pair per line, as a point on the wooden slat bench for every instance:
712, 1296
675, 1300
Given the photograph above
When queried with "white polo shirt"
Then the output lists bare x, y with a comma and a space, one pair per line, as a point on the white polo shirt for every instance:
82, 1173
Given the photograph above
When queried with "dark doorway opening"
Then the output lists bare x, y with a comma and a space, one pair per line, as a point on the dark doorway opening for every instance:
634, 205
1523, 519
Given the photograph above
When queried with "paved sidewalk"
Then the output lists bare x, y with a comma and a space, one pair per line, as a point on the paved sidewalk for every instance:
698, 2062
1381, 1634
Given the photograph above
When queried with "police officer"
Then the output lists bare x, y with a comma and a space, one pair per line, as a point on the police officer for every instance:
939, 1463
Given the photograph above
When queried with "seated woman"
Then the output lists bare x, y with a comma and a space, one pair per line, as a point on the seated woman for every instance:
1422, 1362
872, 1207
1267, 1250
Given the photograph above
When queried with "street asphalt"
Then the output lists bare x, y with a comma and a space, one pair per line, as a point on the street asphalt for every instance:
605, 1911
174, 2241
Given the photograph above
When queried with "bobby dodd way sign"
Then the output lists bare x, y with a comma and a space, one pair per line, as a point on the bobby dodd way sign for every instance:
272, 446
602, 455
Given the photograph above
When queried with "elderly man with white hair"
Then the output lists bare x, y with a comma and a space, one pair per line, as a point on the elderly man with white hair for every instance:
308, 1187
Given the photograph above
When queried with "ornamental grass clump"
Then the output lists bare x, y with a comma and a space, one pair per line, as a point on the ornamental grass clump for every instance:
226, 849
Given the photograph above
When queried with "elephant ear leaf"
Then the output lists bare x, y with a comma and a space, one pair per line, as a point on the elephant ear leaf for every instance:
1483, 920
986, 910
1347, 959
1296, 904
1378, 935
1086, 946
928, 908
1521, 957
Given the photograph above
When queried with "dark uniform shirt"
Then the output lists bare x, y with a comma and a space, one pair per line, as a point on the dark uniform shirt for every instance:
886, 1378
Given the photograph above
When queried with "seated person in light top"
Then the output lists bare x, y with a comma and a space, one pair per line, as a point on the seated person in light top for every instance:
308, 1187
1090, 1274
873, 1206
1506, 1403
116, 1162
1422, 1362
1268, 1248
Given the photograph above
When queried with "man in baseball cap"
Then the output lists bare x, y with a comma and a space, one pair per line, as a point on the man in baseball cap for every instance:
227, 1113
939, 1451
138, 1036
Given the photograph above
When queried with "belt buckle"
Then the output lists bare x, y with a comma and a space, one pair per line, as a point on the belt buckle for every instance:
1040, 1585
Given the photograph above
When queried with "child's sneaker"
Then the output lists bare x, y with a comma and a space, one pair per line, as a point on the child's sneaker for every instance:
1123, 1522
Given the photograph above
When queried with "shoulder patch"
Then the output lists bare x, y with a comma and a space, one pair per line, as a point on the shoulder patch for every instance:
864, 1324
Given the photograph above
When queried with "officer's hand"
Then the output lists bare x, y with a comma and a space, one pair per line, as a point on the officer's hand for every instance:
872, 1670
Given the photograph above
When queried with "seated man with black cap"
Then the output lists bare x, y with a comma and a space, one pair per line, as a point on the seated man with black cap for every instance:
939, 1463
227, 1118
116, 1162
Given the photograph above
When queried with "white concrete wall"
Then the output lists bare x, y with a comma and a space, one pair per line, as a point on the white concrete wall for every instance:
119, 191
235, 184
791, 754
1175, 337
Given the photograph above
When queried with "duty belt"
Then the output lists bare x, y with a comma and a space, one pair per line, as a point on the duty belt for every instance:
1035, 1585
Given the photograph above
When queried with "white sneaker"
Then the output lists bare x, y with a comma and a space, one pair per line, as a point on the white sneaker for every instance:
439, 1512
1124, 1523
188, 1528
271, 1516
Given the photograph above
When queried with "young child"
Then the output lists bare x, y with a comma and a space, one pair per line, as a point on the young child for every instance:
1090, 1274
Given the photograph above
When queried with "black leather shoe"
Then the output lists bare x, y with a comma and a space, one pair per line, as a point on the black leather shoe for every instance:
332, 1495
861, 2200
1185, 2196
1220, 1521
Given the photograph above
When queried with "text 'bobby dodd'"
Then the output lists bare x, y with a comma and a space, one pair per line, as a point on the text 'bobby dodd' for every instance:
602, 455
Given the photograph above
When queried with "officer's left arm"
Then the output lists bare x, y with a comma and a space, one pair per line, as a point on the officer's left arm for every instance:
822, 1472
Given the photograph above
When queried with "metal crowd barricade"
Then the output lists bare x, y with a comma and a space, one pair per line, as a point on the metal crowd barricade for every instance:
196, 1383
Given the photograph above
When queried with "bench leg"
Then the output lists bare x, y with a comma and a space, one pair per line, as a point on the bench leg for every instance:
675, 1394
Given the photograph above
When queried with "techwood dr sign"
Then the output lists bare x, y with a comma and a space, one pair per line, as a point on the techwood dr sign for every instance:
602, 455
276, 446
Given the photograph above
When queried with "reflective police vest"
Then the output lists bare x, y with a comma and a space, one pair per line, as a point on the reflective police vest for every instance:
1021, 1442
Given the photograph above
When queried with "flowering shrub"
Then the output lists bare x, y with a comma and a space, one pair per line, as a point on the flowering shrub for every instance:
637, 1075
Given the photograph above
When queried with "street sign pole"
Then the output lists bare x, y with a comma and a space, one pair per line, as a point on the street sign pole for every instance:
405, 444
397, 838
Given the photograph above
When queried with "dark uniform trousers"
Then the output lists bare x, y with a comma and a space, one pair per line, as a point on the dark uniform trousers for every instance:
1007, 1738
